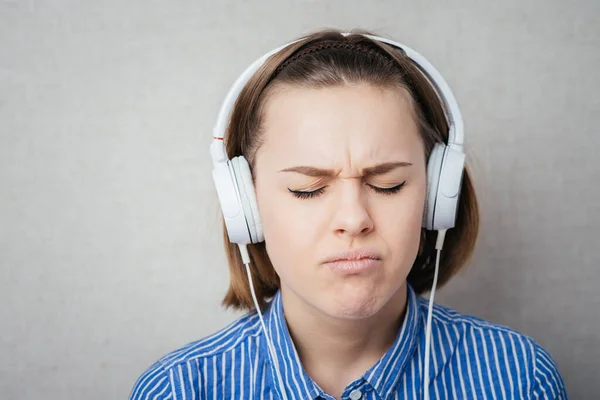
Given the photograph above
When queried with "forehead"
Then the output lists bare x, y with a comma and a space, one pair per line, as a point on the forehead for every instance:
335, 123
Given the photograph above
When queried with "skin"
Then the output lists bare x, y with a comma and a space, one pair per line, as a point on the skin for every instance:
340, 324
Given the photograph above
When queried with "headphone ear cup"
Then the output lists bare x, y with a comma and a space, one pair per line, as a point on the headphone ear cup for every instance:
245, 185
434, 169
445, 174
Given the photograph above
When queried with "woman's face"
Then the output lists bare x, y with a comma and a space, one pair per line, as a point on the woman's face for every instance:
328, 181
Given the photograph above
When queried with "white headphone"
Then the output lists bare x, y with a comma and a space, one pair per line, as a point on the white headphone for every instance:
235, 188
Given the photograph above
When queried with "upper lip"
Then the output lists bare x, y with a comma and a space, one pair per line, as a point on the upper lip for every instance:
353, 255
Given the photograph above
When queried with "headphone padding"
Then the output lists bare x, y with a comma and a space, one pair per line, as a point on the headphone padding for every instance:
434, 167
248, 198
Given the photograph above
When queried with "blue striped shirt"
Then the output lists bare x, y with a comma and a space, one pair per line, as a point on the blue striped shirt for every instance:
471, 359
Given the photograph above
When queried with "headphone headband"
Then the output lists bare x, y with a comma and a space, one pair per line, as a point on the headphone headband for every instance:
453, 114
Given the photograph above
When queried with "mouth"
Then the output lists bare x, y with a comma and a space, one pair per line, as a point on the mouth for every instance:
353, 262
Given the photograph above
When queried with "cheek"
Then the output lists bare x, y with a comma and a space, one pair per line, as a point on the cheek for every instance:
399, 224
289, 229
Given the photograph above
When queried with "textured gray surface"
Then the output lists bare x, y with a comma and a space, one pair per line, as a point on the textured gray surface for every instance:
108, 251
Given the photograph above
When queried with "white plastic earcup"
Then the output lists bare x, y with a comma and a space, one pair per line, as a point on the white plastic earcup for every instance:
444, 181
434, 167
231, 208
245, 184
449, 187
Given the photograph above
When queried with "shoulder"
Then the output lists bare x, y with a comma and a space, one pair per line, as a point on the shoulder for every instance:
181, 367
453, 322
514, 361
548, 382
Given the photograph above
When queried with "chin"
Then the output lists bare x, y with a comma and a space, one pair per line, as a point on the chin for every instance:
356, 304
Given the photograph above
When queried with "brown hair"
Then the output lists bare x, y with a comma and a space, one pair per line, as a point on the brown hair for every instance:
324, 59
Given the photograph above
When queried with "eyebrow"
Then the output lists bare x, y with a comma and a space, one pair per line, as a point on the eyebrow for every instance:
378, 169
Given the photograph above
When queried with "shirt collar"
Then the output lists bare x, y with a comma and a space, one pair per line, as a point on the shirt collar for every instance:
295, 382
387, 373
383, 377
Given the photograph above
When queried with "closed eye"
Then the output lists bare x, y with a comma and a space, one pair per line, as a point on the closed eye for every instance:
307, 195
390, 190
314, 193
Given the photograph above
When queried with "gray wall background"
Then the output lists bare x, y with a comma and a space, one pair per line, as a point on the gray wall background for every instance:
109, 251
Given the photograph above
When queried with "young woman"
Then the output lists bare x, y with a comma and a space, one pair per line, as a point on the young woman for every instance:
355, 148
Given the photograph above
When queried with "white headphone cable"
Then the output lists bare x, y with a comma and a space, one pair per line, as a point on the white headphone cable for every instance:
246, 260
438, 245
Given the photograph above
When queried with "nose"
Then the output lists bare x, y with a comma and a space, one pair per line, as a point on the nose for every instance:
351, 213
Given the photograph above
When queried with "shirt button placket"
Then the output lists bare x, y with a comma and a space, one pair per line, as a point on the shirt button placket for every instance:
355, 394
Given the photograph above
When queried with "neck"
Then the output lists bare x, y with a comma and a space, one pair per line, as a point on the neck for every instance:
336, 351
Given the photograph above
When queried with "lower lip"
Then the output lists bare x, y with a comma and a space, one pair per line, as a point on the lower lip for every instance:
353, 266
